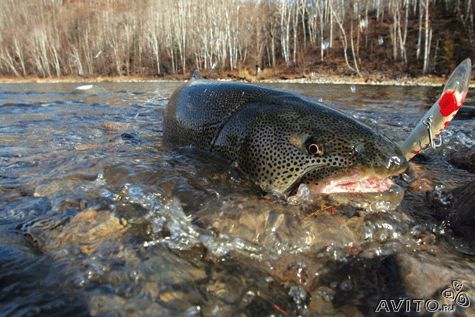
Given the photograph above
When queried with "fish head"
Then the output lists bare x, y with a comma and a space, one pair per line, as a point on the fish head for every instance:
320, 147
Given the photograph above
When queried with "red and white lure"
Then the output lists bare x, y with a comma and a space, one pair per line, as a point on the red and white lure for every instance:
441, 113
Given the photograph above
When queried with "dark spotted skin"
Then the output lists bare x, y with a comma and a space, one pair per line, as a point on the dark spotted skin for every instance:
266, 134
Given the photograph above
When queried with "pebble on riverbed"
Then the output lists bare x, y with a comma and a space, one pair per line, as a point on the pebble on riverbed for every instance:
54, 186
84, 147
462, 212
89, 230
279, 227
419, 181
116, 126
463, 159
423, 275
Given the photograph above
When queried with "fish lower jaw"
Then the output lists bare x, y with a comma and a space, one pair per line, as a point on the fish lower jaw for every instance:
353, 184
369, 185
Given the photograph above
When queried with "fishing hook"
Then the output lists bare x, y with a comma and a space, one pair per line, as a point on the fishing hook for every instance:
434, 142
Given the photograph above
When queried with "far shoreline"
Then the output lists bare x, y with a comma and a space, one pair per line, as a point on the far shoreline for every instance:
422, 81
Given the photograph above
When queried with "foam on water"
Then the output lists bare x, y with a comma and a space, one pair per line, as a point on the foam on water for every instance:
93, 206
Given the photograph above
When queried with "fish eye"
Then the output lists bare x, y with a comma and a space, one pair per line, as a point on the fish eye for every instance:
315, 149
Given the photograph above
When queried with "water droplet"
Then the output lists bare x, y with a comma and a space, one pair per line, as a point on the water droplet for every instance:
416, 231
364, 23
466, 141
326, 293
303, 194
346, 285
405, 177
359, 148
441, 197
192, 311
325, 45
299, 296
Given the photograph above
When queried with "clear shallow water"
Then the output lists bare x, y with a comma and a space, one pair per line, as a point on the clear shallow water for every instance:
97, 217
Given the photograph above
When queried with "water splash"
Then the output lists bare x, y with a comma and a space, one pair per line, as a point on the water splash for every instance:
185, 240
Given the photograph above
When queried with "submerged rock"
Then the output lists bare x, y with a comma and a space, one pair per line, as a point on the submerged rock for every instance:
463, 159
462, 212
56, 185
423, 275
114, 305
85, 147
87, 231
117, 126
283, 229
465, 113
418, 180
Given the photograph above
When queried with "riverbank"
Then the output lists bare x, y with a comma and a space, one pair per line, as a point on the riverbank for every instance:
245, 76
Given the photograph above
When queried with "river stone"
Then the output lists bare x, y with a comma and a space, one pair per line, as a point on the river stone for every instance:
89, 230
424, 277
282, 228
419, 180
55, 186
463, 159
113, 305
462, 213
465, 113
116, 126
84, 147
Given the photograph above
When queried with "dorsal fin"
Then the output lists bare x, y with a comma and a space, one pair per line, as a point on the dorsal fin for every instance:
196, 75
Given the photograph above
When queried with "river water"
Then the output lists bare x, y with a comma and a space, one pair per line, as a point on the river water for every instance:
97, 217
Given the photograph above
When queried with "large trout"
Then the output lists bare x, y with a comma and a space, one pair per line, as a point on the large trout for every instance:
281, 139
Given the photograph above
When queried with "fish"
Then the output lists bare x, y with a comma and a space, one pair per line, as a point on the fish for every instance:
279, 139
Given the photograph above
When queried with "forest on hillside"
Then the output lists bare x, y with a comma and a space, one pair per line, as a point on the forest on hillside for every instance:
55, 38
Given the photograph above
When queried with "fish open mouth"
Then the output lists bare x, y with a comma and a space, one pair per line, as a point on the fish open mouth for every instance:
354, 182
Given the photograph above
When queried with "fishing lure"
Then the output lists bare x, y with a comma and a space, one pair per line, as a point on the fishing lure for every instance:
441, 113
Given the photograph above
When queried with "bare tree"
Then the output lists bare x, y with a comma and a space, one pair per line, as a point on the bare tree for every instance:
155, 37
427, 37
